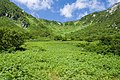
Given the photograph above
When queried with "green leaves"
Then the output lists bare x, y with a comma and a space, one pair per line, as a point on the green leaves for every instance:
60, 60
11, 39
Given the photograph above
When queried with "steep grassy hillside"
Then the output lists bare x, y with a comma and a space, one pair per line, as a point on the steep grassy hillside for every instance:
89, 27
101, 26
14, 17
98, 24
92, 26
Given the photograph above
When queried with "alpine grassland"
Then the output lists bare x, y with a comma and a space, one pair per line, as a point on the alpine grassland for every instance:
39, 49
58, 60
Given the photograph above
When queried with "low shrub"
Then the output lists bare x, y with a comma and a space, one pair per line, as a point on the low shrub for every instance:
105, 46
11, 39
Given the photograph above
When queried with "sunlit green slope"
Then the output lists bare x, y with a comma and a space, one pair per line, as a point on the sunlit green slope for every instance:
99, 24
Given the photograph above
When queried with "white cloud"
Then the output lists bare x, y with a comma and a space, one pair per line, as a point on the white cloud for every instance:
95, 5
36, 4
80, 4
92, 5
111, 2
82, 15
67, 10
70, 8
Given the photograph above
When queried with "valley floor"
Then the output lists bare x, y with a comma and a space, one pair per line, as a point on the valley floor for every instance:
57, 60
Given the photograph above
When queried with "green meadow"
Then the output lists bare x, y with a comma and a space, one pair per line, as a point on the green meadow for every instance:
39, 49
58, 60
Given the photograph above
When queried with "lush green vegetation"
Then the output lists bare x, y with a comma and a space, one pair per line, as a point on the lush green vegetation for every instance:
105, 45
11, 39
13, 16
58, 60
87, 49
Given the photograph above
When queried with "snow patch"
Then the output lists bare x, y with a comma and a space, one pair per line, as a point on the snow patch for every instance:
113, 9
59, 23
94, 15
23, 11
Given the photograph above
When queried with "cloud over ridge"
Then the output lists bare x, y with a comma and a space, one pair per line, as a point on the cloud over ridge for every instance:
91, 5
63, 10
36, 4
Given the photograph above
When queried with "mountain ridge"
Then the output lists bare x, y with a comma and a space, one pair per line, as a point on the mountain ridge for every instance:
98, 24
90, 25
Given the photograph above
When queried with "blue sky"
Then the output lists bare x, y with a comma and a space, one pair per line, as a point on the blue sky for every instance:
63, 10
